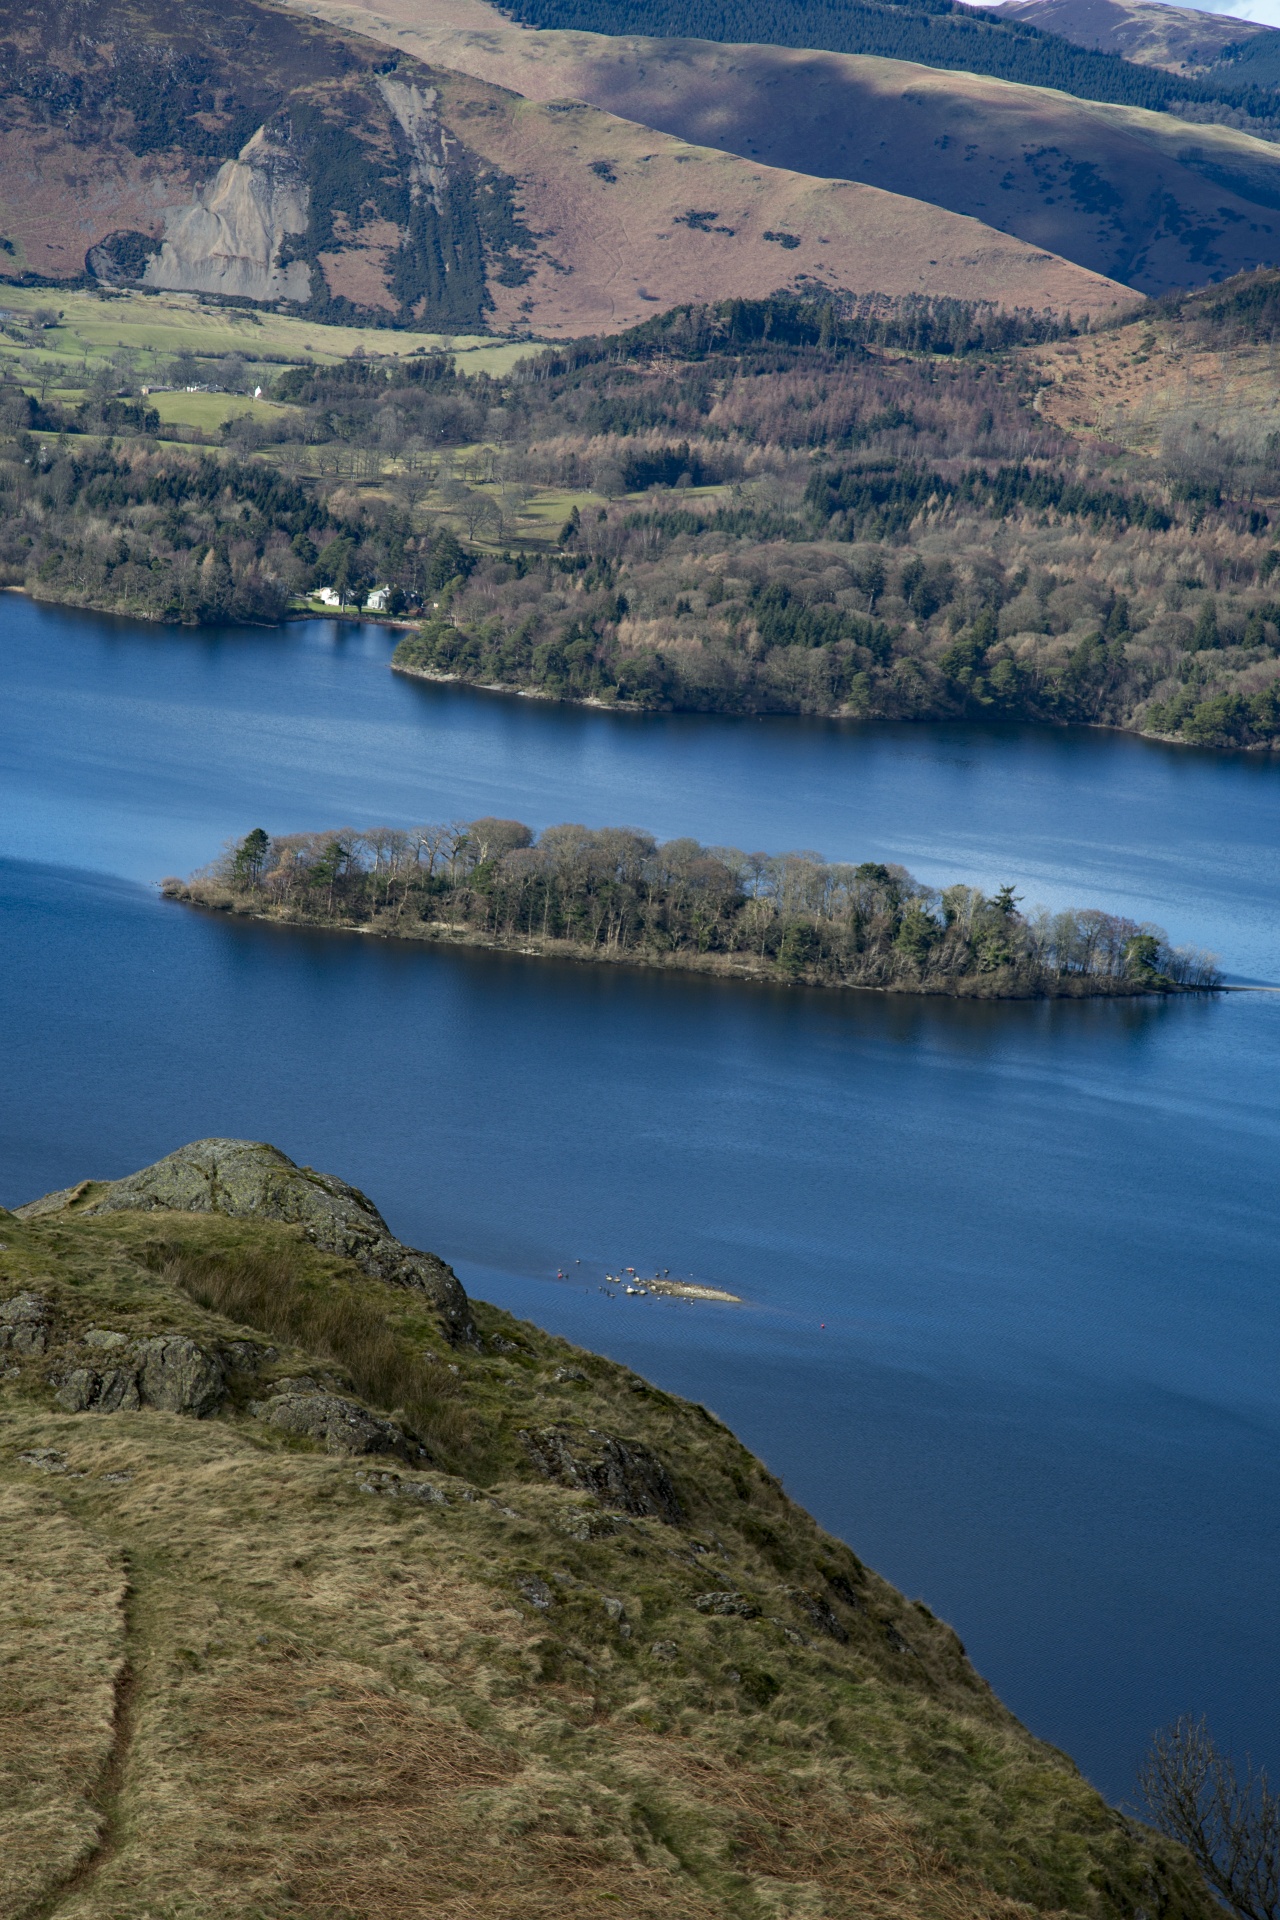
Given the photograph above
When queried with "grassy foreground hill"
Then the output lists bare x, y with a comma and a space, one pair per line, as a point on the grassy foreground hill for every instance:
332, 1593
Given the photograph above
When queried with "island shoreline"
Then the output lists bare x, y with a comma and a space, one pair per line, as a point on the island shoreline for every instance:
713, 966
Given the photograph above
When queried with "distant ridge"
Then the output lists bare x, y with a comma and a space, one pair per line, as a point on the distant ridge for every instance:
938, 33
1181, 40
1144, 198
246, 152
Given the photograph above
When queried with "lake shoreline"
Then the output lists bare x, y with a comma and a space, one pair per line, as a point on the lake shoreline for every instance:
718, 966
397, 624
438, 677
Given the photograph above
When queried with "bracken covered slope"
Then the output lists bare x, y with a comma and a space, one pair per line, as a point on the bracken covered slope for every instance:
1142, 197
244, 151
329, 1593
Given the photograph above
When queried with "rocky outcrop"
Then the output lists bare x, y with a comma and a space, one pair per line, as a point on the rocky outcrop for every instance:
310, 1412
178, 1376
417, 111
229, 239
249, 1179
621, 1473
391, 1486
171, 1373
820, 1614
93, 1390
24, 1324
727, 1606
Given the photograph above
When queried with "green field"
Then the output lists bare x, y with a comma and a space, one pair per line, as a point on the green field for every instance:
209, 411
153, 327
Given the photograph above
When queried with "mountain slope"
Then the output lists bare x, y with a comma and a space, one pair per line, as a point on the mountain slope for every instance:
936, 33
1141, 197
1193, 384
1178, 39
246, 152
333, 1593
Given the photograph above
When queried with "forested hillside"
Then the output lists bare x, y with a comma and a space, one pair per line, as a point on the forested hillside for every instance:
888, 510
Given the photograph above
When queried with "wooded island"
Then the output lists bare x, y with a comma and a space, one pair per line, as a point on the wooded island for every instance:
616, 894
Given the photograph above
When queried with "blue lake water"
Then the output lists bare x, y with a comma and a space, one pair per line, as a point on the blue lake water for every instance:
1011, 1272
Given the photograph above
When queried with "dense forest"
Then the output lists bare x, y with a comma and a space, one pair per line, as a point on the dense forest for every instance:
781, 506
615, 894
937, 33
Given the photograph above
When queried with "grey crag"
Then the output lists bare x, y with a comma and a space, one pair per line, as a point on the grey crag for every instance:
250, 1179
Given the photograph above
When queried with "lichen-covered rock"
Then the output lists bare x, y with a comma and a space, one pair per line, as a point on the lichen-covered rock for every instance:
106, 1339
342, 1426
24, 1324
621, 1473
727, 1605
249, 1179
178, 1376
86, 1390
170, 1372
819, 1613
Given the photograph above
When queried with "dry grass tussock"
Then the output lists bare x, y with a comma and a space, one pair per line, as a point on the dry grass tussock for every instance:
270, 1288
62, 1644
360, 1691
451, 1826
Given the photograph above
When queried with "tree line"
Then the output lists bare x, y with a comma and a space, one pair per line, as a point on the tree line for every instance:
617, 894
770, 510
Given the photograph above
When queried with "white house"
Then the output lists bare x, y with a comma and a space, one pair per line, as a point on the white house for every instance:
329, 597
377, 601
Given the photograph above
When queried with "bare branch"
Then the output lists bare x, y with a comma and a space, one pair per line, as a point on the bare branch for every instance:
1229, 1825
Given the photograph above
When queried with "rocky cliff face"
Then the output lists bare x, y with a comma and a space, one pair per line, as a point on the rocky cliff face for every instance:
329, 1591
231, 238
237, 149
234, 150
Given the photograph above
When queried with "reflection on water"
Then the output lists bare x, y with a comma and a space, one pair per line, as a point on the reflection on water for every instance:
1041, 1236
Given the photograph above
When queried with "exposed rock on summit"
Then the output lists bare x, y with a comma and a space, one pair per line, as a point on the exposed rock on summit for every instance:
249, 1179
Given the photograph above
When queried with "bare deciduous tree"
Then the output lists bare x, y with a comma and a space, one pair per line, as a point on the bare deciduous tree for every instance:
1229, 1825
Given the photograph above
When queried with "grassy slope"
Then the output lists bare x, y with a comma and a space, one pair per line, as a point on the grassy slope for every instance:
1073, 176
156, 326
624, 237
271, 1691
1179, 39
1159, 382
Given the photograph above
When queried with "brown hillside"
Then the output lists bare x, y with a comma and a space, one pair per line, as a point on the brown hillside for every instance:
1141, 197
243, 150
1185, 383
633, 221
1179, 39
319, 1603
